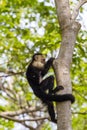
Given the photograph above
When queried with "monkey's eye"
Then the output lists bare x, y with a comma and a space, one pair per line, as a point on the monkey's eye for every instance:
43, 60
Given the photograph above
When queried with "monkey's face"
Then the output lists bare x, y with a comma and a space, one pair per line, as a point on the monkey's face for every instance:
39, 61
40, 58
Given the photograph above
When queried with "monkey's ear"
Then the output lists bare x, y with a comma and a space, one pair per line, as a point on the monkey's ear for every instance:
36, 57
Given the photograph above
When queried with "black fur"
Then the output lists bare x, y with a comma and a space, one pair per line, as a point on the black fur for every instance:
33, 75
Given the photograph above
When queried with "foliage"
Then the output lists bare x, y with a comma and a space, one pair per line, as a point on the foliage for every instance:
79, 81
26, 27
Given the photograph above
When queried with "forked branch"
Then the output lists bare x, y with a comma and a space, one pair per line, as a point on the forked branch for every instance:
77, 7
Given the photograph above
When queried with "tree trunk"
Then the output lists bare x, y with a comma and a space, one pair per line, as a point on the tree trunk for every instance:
69, 31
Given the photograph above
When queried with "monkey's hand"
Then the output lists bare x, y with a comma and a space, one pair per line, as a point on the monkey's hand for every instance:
51, 60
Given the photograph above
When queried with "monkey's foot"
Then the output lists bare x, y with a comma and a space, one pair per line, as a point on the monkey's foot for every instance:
58, 88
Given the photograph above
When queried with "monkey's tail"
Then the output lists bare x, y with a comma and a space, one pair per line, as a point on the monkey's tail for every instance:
58, 98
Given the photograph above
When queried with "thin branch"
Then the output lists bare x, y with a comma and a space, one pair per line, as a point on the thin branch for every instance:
28, 126
11, 91
17, 120
77, 7
40, 125
82, 113
8, 92
79, 94
11, 74
22, 120
22, 111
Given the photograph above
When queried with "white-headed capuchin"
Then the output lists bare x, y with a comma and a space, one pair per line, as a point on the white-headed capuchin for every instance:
36, 70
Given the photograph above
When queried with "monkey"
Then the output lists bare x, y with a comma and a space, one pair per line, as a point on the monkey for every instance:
36, 70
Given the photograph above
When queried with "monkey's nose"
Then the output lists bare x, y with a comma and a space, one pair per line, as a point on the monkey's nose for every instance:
43, 61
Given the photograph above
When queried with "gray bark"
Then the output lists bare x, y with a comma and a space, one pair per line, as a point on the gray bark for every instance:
69, 31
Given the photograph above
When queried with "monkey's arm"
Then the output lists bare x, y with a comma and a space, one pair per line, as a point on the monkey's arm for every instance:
47, 66
32, 75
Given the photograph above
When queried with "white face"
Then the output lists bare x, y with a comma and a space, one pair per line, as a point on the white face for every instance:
40, 58
39, 61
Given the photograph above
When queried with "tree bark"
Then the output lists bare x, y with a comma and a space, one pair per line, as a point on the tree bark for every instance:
69, 31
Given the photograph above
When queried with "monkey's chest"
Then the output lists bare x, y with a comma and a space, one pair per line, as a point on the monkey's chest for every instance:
40, 77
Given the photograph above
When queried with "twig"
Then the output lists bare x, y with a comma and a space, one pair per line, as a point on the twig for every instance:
12, 74
82, 113
8, 94
76, 9
22, 111
80, 94
17, 120
22, 120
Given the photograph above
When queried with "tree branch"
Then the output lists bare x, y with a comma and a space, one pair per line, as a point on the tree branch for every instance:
11, 74
22, 120
69, 31
17, 120
19, 112
82, 113
80, 94
15, 113
76, 9
15, 116
9, 93
63, 13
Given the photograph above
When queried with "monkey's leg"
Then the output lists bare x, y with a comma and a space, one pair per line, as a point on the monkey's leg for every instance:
47, 84
51, 111
58, 88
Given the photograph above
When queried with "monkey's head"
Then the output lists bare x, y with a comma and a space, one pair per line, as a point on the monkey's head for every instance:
38, 60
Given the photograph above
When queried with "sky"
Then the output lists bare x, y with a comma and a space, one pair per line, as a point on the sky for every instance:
83, 18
